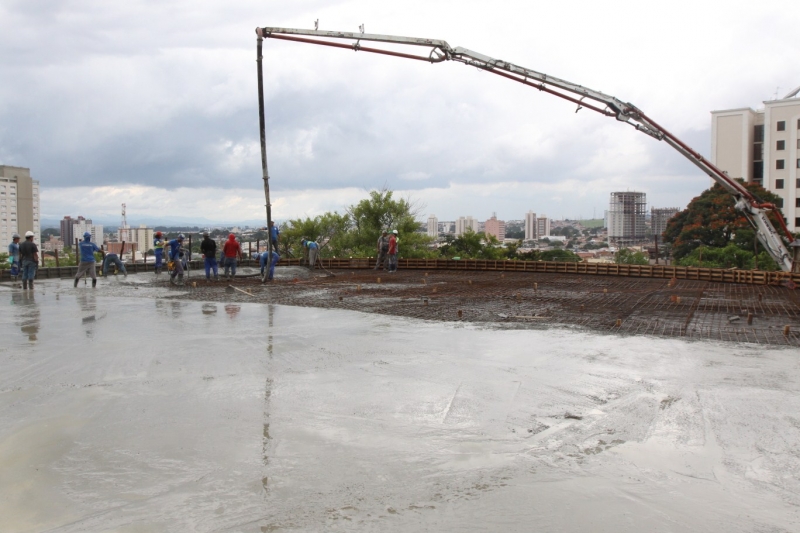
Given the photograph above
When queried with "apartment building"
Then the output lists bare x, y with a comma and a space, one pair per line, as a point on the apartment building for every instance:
465, 223
19, 203
495, 227
433, 226
762, 146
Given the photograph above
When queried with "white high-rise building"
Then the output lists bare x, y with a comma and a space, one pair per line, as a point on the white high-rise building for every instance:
530, 226
19, 204
142, 236
465, 223
96, 230
762, 147
433, 226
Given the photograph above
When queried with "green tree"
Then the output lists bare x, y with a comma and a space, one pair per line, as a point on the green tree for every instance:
381, 212
331, 230
471, 245
731, 256
628, 257
711, 220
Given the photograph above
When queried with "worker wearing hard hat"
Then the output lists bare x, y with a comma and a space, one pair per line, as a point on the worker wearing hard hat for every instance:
158, 249
175, 249
313, 248
13, 256
29, 258
88, 264
392, 253
267, 261
209, 250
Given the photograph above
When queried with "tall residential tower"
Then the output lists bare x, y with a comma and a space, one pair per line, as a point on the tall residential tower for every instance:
19, 203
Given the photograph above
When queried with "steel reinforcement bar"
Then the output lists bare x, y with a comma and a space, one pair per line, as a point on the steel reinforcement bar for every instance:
750, 277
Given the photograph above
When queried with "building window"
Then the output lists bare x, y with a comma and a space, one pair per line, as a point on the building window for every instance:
780, 145
758, 152
797, 183
779, 164
758, 170
758, 133
779, 202
779, 184
781, 125
797, 202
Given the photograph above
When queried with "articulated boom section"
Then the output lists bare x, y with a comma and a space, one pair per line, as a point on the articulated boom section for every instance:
749, 205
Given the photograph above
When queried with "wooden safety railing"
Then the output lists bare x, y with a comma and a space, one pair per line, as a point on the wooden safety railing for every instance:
751, 277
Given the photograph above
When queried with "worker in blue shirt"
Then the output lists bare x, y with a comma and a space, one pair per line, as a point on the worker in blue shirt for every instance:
274, 236
268, 259
113, 259
158, 249
313, 249
175, 249
88, 264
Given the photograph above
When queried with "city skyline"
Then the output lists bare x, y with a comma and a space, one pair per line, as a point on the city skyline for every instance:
179, 136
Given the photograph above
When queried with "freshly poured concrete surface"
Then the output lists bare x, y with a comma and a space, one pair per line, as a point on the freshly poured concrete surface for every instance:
135, 414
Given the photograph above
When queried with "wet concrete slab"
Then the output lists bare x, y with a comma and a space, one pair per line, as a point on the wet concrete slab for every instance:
159, 414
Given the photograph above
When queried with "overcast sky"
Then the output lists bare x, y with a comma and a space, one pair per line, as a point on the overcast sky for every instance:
154, 103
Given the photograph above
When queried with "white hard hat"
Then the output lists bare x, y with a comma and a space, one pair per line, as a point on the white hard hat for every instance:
15, 236
28, 234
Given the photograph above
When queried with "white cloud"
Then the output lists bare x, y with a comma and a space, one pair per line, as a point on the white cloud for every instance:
163, 95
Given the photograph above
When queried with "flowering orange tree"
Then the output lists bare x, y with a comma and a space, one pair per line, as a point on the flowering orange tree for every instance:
711, 220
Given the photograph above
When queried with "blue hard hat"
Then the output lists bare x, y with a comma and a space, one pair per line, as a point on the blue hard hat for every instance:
180, 237
86, 235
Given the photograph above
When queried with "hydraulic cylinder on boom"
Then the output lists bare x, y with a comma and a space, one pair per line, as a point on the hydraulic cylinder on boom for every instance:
439, 51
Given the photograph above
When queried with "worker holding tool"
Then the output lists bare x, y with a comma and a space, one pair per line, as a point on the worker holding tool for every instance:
232, 251
158, 248
383, 249
88, 264
175, 249
313, 248
267, 261
209, 250
114, 259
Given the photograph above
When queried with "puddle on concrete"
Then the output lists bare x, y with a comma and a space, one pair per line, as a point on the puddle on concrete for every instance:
123, 414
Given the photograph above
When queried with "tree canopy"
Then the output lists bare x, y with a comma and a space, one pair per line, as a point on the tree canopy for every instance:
711, 220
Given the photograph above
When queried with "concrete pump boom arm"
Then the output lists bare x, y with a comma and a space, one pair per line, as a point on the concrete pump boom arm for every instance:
439, 50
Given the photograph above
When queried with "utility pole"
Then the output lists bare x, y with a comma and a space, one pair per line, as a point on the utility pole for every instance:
264, 171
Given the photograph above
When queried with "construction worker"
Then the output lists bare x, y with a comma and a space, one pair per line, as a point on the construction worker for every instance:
114, 259
233, 251
29, 258
313, 249
88, 264
270, 259
158, 248
274, 236
209, 250
175, 249
13, 256
392, 253
383, 249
